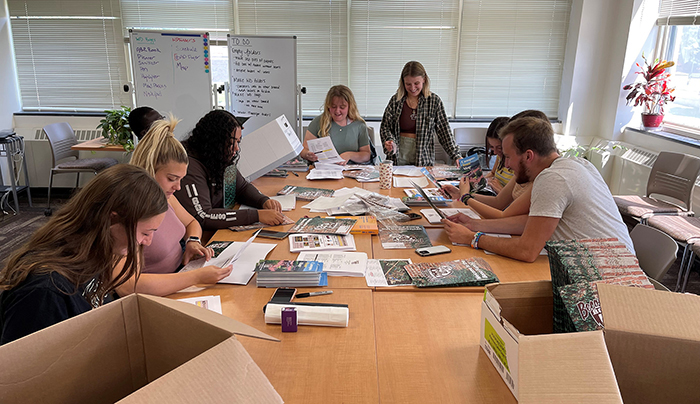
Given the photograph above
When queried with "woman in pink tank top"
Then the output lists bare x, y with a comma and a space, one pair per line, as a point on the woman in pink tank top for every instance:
164, 158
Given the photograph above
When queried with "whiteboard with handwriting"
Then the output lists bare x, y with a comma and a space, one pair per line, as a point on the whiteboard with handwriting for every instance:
263, 79
172, 74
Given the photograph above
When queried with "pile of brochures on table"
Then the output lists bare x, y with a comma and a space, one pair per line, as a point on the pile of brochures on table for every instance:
282, 273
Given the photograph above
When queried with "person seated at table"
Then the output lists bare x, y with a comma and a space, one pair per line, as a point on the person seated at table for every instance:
569, 199
342, 122
213, 184
140, 120
66, 267
499, 175
412, 119
164, 158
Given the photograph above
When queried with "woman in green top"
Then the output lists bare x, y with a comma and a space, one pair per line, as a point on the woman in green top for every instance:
342, 122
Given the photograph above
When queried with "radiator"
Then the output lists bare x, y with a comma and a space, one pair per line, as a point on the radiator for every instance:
38, 155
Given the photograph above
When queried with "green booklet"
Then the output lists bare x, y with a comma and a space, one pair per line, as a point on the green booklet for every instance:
393, 237
466, 272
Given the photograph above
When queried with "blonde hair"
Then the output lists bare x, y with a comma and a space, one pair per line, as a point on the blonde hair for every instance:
413, 69
342, 92
159, 147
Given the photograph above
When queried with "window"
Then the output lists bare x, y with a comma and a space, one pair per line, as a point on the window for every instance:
70, 55
679, 35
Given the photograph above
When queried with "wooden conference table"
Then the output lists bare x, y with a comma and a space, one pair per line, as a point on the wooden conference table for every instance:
402, 345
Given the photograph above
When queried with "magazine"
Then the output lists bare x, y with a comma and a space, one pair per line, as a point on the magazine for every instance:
321, 242
323, 225
339, 263
390, 272
472, 169
412, 236
445, 172
466, 272
305, 193
259, 225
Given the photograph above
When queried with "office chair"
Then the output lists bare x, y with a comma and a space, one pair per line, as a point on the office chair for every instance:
656, 250
61, 138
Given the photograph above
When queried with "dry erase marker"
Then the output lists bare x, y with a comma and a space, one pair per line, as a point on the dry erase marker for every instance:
309, 294
295, 174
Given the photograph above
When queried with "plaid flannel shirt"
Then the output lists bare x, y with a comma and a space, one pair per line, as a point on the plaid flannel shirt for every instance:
430, 120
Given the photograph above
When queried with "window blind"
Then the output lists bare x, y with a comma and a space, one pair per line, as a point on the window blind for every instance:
213, 16
512, 54
322, 35
387, 34
679, 12
69, 54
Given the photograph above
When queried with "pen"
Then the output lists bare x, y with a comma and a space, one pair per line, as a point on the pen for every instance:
309, 294
295, 174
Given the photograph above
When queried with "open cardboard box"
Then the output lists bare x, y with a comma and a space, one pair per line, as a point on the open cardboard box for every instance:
651, 337
538, 366
138, 349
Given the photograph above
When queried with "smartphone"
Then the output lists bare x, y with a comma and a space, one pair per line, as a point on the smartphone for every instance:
413, 216
279, 235
434, 250
283, 295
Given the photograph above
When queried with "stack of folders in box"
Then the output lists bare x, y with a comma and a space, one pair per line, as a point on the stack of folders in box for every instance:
286, 273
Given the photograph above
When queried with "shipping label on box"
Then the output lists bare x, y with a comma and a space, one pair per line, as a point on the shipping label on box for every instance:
500, 346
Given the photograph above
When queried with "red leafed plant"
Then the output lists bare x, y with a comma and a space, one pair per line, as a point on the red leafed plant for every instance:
653, 92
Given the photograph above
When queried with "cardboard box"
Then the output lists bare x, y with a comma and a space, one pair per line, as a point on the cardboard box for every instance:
653, 338
267, 148
138, 349
538, 366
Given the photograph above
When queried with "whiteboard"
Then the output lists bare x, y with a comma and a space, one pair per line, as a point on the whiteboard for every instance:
263, 79
172, 74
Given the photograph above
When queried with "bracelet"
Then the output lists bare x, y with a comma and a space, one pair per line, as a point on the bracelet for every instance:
475, 240
464, 198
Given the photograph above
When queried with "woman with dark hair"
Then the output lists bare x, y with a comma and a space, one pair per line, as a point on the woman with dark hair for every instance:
67, 266
412, 119
164, 158
499, 175
141, 119
213, 184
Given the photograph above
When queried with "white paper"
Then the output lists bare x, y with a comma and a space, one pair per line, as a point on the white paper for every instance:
338, 263
409, 171
405, 182
244, 267
374, 276
324, 149
288, 202
321, 204
329, 316
212, 303
328, 166
316, 174
433, 218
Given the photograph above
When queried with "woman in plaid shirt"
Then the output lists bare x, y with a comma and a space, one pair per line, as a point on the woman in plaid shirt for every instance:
413, 116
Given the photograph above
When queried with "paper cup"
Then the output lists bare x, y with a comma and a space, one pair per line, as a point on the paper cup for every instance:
386, 173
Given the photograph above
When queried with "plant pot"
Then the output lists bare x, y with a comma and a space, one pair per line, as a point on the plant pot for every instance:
652, 122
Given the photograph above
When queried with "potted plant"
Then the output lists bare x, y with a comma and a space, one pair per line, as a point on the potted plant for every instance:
653, 92
115, 127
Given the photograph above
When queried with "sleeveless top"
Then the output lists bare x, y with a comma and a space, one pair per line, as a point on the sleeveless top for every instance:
407, 120
504, 174
164, 255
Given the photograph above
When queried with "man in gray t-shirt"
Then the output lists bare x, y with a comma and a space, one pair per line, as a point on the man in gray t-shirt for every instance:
569, 198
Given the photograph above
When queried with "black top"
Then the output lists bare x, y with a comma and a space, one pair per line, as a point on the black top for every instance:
38, 302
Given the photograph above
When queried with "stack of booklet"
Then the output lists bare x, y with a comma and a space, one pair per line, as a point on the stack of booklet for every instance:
286, 273
295, 164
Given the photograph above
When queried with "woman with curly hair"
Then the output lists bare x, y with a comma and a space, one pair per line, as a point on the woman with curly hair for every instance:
342, 122
67, 266
213, 185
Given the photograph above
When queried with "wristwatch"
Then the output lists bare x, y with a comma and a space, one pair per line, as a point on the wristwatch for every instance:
194, 238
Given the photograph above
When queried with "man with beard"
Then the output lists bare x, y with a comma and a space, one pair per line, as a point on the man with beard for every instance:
569, 199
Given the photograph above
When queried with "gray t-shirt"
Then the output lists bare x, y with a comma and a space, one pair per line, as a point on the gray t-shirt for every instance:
572, 190
345, 138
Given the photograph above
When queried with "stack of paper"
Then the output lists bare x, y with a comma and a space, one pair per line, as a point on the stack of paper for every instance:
339, 264
321, 242
285, 273
317, 174
434, 218
400, 182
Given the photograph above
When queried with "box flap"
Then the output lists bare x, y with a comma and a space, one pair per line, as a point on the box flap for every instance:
650, 312
653, 339
82, 360
566, 368
527, 306
215, 319
223, 374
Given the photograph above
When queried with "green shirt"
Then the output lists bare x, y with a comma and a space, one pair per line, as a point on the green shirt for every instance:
347, 138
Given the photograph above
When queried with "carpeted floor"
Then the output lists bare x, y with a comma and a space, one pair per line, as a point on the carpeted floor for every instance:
15, 230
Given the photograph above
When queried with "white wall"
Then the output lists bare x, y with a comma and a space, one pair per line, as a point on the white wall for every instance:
9, 94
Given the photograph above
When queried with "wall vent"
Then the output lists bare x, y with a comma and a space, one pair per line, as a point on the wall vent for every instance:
80, 134
640, 156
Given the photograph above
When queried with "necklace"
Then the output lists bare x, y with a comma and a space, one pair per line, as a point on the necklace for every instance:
413, 109
346, 124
